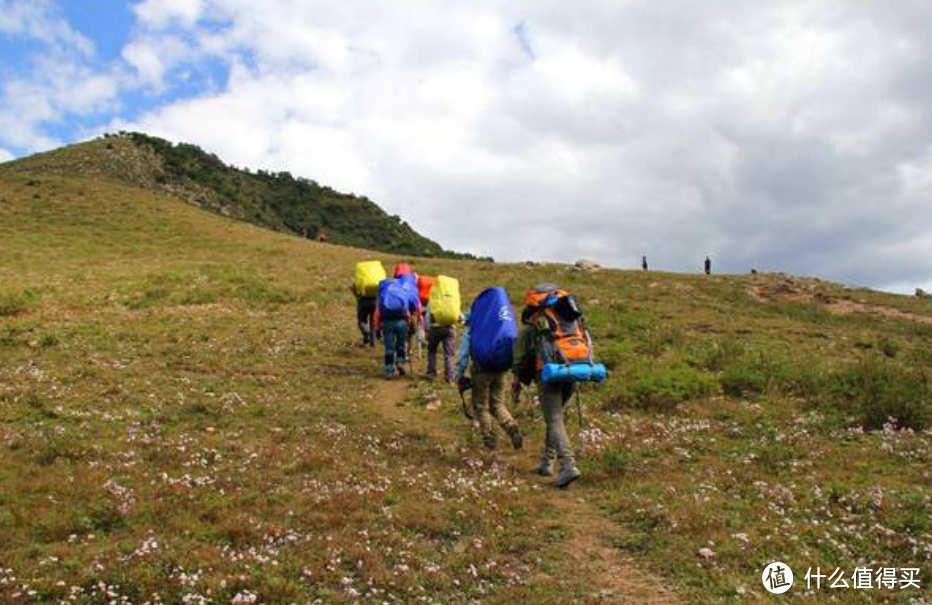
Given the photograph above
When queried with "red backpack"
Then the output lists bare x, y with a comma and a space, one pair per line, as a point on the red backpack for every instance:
402, 269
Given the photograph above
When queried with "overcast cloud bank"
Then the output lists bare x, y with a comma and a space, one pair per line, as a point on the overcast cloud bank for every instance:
788, 135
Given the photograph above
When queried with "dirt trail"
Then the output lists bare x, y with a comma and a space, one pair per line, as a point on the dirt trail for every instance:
618, 580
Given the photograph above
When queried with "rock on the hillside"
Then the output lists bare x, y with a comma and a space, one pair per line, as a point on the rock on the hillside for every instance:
707, 553
920, 293
587, 265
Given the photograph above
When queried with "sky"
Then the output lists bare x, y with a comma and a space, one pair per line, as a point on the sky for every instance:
781, 135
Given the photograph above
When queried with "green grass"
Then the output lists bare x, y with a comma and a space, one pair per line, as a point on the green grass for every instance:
184, 412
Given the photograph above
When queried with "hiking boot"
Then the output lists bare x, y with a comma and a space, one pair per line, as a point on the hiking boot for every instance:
489, 443
515, 434
545, 468
567, 476
401, 369
389, 373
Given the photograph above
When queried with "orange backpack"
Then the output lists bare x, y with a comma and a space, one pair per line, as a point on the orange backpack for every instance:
424, 286
561, 332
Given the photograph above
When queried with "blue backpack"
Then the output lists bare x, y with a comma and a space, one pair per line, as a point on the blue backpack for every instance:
409, 283
492, 330
393, 299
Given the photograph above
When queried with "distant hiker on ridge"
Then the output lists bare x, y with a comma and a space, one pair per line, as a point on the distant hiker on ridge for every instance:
708, 266
644, 263
488, 343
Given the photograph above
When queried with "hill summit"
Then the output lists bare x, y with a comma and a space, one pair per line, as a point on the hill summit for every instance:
275, 200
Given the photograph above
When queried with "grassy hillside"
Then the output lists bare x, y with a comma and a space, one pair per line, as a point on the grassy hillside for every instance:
278, 201
185, 417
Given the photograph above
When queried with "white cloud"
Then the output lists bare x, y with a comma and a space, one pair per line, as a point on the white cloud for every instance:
59, 81
786, 136
763, 135
6, 156
40, 20
164, 13
46, 95
152, 58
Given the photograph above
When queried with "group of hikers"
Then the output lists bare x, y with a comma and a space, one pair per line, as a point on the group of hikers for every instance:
547, 344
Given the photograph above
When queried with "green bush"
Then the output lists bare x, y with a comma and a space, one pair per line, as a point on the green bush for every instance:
743, 379
888, 346
881, 392
656, 341
719, 354
615, 462
663, 388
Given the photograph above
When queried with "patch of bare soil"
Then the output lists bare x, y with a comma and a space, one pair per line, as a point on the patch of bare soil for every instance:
792, 292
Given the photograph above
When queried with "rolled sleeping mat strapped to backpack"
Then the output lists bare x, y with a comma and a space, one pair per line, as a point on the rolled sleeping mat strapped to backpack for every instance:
577, 372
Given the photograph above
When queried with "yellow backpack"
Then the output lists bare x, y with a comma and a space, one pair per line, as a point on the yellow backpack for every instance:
368, 275
445, 301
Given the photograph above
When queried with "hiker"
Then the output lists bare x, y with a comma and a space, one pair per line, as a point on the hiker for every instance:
396, 310
365, 288
365, 310
487, 343
442, 315
424, 285
708, 266
644, 263
404, 269
405, 273
554, 349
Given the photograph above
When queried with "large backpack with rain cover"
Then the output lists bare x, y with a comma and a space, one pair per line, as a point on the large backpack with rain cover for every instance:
402, 269
394, 299
492, 330
445, 301
563, 345
367, 277
409, 282
424, 285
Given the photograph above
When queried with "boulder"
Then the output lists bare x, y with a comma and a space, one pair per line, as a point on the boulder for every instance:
587, 265
920, 293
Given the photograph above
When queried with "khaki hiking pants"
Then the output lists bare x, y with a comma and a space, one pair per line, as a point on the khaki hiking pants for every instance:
488, 399
553, 398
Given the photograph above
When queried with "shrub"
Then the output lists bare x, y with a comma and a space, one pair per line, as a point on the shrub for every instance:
615, 462
663, 388
883, 392
656, 341
720, 354
888, 346
743, 379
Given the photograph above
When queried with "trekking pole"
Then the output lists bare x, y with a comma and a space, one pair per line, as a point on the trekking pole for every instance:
579, 407
410, 357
